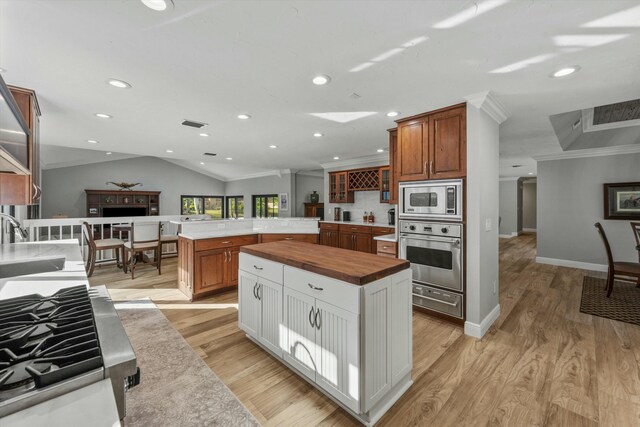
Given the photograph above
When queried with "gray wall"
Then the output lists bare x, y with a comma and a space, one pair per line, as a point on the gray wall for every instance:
272, 184
509, 207
63, 188
305, 185
529, 205
570, 201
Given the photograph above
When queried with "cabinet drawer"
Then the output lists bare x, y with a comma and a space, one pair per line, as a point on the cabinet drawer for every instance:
332, 291
328, 226
308, 238
261, 267
355, 229
387, 247
226, 242
381, 231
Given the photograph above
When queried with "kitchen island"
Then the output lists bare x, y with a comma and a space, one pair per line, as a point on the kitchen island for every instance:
340, 319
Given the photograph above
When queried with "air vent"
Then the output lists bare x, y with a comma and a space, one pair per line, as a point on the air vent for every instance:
193, 124
210, 154
618, 112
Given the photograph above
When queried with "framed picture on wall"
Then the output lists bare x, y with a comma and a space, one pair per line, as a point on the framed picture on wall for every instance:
284, 201
622, 201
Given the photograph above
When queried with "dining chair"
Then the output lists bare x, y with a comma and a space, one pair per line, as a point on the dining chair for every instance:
617, 269
168, 239
635, 226
100, 245
145, 236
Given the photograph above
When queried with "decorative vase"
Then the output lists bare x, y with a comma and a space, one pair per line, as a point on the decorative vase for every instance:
314, 197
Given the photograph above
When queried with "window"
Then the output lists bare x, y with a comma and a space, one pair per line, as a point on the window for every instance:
265, 206
202, 205
235, 207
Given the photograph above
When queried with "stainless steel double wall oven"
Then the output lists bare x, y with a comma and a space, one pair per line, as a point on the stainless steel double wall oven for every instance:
431, 237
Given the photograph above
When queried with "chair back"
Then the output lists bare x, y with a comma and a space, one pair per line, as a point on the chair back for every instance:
606, 245
636, 231
87, 230
145, 232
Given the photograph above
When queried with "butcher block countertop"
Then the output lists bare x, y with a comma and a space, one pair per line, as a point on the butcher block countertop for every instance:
358, 268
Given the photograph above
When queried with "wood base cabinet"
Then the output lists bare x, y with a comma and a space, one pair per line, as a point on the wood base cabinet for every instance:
276, 237
329, 234
355, 237
353, 343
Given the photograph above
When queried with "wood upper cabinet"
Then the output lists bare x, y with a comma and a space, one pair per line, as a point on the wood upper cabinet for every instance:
433, 145
339, 188
393, 166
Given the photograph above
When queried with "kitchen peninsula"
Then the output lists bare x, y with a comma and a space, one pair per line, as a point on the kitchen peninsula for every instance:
340, 319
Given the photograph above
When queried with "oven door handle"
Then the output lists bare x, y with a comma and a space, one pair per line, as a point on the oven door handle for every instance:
452, 304
452, 240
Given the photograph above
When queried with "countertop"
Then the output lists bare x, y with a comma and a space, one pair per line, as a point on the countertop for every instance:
358, 268
360, 222
73, 273
229, 233
387, 238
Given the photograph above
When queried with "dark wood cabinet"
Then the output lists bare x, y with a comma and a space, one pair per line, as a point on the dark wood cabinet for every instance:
277, 237
432, 145
211, 270
233, 263
314, 210
355, 237
393, 166
385, 184
329, 234
339, 187
122, 203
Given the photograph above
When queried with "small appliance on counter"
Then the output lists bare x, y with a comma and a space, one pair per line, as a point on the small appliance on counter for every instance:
336, 214
392, 216
346, 216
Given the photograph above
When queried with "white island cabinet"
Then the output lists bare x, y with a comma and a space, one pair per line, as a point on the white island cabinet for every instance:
350, 340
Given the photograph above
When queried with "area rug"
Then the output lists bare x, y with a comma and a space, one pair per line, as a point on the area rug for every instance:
623, 305
176, 388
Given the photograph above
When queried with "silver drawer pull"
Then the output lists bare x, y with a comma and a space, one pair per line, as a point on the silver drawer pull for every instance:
315, 287
288, 238
452, 304
385, 247
226, 243
257, 268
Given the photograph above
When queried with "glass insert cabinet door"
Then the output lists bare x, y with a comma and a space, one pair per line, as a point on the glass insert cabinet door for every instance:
202, 205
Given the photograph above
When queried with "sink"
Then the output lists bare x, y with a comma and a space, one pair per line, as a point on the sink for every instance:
25, 266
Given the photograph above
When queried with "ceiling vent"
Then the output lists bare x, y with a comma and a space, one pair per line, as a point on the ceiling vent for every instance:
618, 112
193, 124
210, 154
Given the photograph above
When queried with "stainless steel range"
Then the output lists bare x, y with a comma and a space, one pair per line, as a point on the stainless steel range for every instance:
56, 344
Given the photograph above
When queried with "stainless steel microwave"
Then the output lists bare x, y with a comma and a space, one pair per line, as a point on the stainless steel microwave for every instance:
431, 200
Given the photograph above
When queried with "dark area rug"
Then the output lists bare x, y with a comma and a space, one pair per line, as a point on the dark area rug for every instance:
177, 388
623, 305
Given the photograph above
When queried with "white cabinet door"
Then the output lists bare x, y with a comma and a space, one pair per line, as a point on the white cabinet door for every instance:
271, 330
249, 304
300, 348
338, 358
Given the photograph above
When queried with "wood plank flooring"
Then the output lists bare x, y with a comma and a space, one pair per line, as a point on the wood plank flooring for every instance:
542, 363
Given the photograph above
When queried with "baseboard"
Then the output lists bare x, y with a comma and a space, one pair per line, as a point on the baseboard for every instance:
508, 236
478, 331
572, 264
530, 230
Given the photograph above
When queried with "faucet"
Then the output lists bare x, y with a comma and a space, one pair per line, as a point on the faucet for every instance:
17, 228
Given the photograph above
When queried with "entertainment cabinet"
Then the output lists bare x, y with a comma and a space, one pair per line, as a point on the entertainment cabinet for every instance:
110, 203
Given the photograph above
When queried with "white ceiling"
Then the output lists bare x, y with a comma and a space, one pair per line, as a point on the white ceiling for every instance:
209, 61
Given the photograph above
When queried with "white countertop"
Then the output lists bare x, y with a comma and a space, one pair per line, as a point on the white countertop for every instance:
360, 222
73, 273
387, 238
195, 230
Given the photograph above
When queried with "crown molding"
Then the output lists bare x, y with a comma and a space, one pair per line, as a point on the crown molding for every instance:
487, 102
591, 152
384, 158
317, 174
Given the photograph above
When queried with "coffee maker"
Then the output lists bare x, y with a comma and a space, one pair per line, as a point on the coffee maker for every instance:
392, 216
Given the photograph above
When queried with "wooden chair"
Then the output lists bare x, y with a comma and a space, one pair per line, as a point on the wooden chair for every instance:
145, 236
635, 226
616, 269
100, 245
169, 238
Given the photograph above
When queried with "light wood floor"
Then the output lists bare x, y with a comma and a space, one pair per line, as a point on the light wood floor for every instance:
542, 363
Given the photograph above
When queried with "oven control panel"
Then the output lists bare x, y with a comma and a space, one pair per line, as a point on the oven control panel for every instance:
430, 228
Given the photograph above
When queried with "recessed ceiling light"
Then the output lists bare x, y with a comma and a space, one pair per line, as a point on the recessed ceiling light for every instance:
157, 5
392, 113
169, 151
229, 158
92, 141
318, 135
202, 163
103, 115
120, 84
530, 173
380, 150
244, 116
562, 72
273, 146
204, 134
108, 153
336, 158
321, 80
